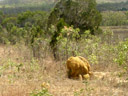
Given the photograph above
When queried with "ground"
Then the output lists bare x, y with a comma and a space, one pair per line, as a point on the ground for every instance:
21, 81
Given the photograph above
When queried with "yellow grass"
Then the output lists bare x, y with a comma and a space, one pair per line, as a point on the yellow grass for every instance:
22, 82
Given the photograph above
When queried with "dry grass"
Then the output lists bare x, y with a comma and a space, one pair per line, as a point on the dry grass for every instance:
33, 72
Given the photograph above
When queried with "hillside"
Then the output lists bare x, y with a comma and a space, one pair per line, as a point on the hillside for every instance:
103, 5
122, 6
51, 1
10, 2
110, 1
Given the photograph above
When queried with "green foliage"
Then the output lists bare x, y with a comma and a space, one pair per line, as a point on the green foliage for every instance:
81, 14
114, 18
21, 6
42, 92
1, 16
122, 57
13, 67
119, 6
93, 59
34, 18
23, 17
54, 38
79, 93
9, 20
26, 26
34, 65
1, 29
19, 66
68, 36
69, 44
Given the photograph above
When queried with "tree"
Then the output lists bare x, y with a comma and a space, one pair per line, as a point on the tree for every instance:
80, 14
54, 39
1, 16
114, 18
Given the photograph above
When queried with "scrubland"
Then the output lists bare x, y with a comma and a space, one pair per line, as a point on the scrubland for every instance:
34, 47
22, 74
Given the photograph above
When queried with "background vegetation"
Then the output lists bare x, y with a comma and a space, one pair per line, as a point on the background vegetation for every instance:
121, 6
17, 6
110, 1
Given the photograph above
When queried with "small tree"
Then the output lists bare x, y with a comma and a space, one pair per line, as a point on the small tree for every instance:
54, 40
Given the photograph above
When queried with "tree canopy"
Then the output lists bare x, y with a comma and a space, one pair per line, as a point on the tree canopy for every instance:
81, 14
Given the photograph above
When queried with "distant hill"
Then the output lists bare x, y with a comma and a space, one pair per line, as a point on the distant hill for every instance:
51, 1
38, 1
122, 6
10, 2
110, 1
18, 6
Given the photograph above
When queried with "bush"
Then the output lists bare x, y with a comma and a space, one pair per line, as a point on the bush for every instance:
42, 92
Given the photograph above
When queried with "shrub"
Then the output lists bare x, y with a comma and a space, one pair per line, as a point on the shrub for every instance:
42, 92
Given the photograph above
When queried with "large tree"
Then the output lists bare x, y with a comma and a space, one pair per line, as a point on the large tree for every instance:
79, 13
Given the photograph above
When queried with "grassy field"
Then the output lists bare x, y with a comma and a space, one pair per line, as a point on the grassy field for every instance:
21, 73
22, 81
